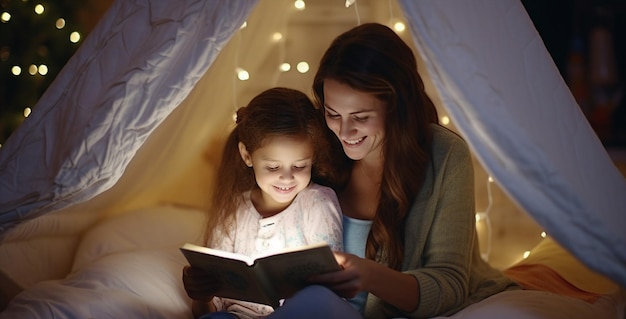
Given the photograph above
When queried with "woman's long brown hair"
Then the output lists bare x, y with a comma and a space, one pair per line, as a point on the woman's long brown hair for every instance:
274, 112
372, 58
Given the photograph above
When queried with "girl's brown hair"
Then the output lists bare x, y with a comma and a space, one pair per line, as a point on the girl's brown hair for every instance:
372, 58
274, 112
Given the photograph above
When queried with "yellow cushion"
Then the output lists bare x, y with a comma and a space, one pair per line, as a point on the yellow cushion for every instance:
549, 253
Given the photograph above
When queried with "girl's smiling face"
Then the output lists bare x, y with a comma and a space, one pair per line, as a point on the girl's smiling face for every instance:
357, 118
282, 168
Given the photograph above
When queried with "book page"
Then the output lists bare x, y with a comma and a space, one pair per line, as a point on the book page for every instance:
221, 253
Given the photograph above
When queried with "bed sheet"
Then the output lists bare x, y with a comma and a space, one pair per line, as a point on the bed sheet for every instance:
130, 267
535, 304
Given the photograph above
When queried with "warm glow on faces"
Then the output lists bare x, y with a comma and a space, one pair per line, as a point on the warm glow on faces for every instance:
282, 168
357, 118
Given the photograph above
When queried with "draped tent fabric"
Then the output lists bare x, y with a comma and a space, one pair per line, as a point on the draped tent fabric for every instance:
523, 124
121, 84
513, 109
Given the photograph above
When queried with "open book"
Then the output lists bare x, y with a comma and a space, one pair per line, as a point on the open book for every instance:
267, 279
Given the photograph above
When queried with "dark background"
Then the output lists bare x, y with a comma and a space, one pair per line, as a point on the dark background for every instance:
563, 22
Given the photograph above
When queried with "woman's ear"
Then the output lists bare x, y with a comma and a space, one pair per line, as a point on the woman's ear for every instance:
245, 156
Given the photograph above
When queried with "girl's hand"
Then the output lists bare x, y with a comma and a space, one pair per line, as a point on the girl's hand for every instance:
348, 281
199, 284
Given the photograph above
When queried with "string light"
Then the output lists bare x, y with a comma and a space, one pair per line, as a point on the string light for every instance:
356, 10
16, 70
302, 67
399, 26
39, 9
299, 4
277, 36
74, 37
27, 111
43, 69
445, 120
32, 69
484, 216
284, 67
60, 23
242, 74
5, 17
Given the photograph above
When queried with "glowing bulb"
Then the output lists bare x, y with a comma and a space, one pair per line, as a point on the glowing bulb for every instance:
242, 74
235, 117
5, 17
43, 69
480, 216
243, 25
543, 234
490, 179
60, 24
277, 36
399, 26
27, 111
302, 67
445, 120
74, 37
32, 69
526, 254
299, 4
39, 9
16, 70
284, 67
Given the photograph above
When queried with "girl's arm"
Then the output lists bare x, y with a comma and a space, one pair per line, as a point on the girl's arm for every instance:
200, 287
199, 308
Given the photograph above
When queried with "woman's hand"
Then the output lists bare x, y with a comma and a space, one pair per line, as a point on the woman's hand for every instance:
200, 285
360, 274
350, 280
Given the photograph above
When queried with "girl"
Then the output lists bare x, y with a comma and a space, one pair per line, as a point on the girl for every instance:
267, 195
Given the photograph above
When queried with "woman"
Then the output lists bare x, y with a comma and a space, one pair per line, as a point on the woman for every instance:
408, 192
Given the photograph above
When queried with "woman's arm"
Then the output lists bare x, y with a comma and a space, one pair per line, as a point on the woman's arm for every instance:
359, 274
439, 246
440, 230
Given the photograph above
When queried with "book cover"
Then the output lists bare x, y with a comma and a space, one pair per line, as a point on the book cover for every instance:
266, 279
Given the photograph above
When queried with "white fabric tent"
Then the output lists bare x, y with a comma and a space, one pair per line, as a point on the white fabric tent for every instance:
142, 63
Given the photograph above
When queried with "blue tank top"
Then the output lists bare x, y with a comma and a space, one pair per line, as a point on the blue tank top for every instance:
355, 233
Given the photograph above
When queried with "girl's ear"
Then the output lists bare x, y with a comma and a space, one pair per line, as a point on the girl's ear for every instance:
245, 156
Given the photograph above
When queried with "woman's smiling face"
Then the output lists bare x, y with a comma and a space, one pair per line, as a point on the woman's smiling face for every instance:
357, 118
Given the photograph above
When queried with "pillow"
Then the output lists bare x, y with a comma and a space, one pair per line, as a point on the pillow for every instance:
132, 285
144, 229
551, 255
